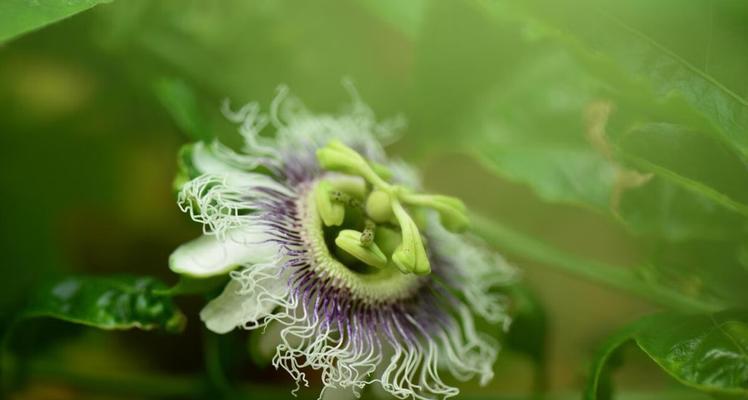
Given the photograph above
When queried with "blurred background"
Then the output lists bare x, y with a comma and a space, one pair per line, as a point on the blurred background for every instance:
501, 112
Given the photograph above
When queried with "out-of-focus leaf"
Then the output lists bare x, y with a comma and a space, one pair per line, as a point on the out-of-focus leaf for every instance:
106, 303
530, 129
182, 104
664, 210
705, 352
624, 45
706, 269
529, 332
689, 159
21, 16
407, 16
452, 69
244, 50
535, 128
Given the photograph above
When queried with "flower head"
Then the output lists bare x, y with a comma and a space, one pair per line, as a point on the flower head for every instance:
367, 278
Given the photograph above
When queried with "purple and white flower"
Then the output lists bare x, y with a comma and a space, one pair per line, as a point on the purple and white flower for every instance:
331, 242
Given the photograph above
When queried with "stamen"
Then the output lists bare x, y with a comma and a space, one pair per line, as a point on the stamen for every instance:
336, 156
332, 213
367, 236
350, 241
452, 211
410, 256
385, 201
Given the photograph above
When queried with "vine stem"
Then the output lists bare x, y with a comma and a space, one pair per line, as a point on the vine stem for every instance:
616, 277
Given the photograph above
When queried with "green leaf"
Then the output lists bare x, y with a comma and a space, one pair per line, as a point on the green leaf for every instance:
531, 129
706, 269
665, 210
705, 352
708, 352
182, 103
406, 16
690, 160
106, 303
21, 16
622, 44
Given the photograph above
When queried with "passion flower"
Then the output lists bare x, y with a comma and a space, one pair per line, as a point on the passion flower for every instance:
367, 278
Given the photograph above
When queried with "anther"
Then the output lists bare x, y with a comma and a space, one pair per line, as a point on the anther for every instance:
367, 236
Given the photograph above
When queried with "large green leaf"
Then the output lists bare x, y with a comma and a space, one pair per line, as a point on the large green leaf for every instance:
706, 269
537, 127
689, 159
106, 303
645, 60
20, 16
530, 129
406, 16
705, 352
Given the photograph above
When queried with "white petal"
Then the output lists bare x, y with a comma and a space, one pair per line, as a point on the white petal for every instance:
232, 308
209, 255
207, 162
340, 393
225, 312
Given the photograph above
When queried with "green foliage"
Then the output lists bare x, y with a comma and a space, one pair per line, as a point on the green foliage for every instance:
610, 38
21, 16
706, 352
510, 132
632, 110
181, 102
106, 303
641, 177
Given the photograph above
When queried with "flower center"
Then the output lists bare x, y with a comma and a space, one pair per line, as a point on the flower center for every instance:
365, 282
360, 228
369, 199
